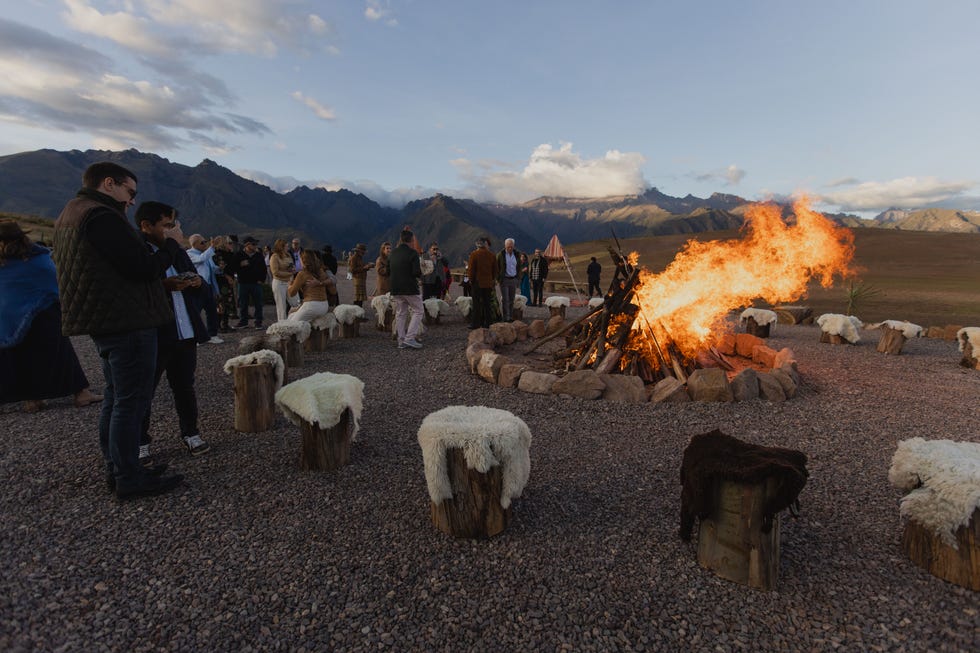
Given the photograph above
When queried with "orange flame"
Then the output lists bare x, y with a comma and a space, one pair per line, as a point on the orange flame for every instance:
687, 303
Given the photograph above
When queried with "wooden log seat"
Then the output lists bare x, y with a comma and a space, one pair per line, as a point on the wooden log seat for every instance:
322, 329
477, 460
433, 309
794, 314
292, 335
971, 353
839, 329
327, 408
350, 317
257, 377
737, 490
557, 305
941, 508
384, 311
758, 322
894, 335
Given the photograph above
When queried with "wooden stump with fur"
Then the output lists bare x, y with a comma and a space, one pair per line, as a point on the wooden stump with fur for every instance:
960, 566
517, 313
754, 328
389, 318
317, 342
474, 510
428, 320
892, 341
731, 542
833, 339
292, 352
255, 390
557, 310
352, 330
969, 360
326, 449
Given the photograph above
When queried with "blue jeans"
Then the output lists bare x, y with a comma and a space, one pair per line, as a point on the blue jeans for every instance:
246, 291
128, 363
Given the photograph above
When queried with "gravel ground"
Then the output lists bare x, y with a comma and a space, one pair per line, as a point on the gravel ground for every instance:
252, 554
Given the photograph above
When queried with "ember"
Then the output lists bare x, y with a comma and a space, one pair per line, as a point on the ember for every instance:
667, 324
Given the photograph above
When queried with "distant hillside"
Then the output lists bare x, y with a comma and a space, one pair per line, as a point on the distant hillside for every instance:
343, 217
948, 220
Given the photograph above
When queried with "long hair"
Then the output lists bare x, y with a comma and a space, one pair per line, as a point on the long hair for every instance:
312, 263
279, 247
17, 248
381, 251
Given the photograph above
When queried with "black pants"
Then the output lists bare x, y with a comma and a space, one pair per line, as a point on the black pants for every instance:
594, 285
430, 290
178, 358
480, 314
537, 291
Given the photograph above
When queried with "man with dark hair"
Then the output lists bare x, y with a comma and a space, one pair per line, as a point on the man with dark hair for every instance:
593, 272
177, 341
483, 275
405, 270
251, 271
539, 273
110, 290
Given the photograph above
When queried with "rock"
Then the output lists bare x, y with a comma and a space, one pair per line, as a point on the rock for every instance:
745, 385
504, 332
726, 345
489, 366
537, 329
745, 342
791, 370
555, 323
710, 384
251, 344
669, 390
537, 382
474, 352
935, 332
770, 389
785, 380
521, 330
624, 388
765, 356
783, 356
484, 336
510, 374
583, 384
949, 333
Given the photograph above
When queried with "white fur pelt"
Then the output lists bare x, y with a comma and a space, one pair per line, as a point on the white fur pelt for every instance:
487, 437
326, 322
465, 305
348, 313
434, 307
949, 475
380, 304
596, 302
971, 335
520, 301
262, 356
557, 300
299, 329
908, 329
322, 398
760, 315
845, 326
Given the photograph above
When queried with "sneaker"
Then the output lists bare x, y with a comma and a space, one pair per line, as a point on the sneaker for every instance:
147, 486
215, 340
196, 445
146, 458
401, 345
414, 344
241, 325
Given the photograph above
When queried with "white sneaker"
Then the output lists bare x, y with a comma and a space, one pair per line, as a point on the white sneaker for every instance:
215, 340
196, 445
144, 451
413, 343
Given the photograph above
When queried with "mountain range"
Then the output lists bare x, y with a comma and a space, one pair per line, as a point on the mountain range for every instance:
212, 199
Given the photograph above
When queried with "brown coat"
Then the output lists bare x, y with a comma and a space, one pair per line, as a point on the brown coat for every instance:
483, 268
384, 275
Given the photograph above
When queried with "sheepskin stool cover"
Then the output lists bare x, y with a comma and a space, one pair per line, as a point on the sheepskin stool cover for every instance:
327, 408
520, 303
596, 302
894, 334
434, 309
838, 329
291, 334
941, 507
350, 318
464, 305
969, 340
257, 377
557, 305
322, 329
477, 460
384, 311
758, 321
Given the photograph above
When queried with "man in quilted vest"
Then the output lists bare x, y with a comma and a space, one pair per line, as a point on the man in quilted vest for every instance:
111, 290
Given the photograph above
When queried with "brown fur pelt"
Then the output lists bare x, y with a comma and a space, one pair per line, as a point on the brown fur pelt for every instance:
714, 456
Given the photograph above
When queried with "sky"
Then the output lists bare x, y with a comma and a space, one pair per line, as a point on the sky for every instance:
863, 105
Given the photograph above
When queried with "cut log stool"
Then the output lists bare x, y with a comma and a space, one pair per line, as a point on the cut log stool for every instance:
428, 320
292, 351
388, 319
557, 310
758, 330
892, 341
255, 389
474, 509
352, 330
731, 542
325, 449
960, 566
833, 339
317, 342
517, 313
969, 359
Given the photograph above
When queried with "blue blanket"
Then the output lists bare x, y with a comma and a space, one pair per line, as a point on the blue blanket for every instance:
26, 288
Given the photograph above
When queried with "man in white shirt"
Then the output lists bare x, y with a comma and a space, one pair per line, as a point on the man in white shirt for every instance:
202, 255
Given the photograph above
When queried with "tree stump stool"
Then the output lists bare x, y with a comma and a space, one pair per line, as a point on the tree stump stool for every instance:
327, 408
960, 566
758, 330
892, 341
428, 320
255, 389
832, 339
965, 337
517, 313
317, 342
389, 319
731, 542
292, 351
325, 449
352, 330
476, 460
557, 310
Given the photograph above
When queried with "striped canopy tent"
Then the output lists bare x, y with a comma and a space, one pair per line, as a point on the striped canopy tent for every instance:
555, 252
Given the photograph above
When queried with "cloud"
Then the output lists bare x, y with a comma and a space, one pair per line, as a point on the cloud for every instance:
321, 111
843, 181
730, 176
558, 172
377, 10
903, 193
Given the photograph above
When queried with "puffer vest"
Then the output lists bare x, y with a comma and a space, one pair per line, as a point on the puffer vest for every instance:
95, 298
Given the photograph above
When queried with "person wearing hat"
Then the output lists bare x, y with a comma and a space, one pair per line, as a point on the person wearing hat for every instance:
358, 270
250, 266
37, 362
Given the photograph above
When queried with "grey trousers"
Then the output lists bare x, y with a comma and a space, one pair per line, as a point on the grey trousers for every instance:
508, 290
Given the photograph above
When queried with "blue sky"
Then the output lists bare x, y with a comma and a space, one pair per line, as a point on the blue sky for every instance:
863, 104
